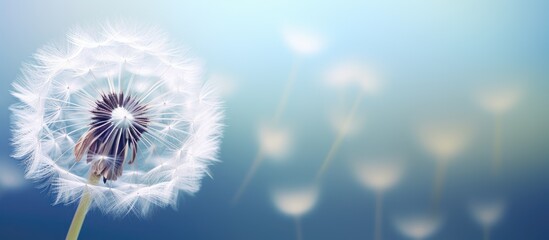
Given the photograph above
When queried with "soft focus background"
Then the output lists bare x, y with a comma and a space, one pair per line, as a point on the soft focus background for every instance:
454, 89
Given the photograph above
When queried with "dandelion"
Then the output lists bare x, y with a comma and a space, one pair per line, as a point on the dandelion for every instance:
444, 140
418, 227
296, 202
498, 100
10, 177
274, 141
487, 214
345, 74
379, 176
116, 118
352, 72
303, 41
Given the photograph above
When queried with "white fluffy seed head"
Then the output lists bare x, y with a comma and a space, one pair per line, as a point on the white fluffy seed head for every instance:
418, 227
380, 175
178, 118
10, 176
444, 140
353, 72
303, 41
295, 201
487, 213
500, 99
275, 142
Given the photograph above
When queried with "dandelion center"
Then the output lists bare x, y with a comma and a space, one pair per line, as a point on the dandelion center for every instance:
121, 117
117, 124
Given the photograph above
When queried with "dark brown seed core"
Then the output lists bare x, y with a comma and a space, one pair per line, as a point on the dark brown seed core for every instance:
111, 135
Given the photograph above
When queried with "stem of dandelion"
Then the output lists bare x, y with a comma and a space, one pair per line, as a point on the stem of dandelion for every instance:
438, 185
496, 162
298, 228
378, 217
81, 211
486, 233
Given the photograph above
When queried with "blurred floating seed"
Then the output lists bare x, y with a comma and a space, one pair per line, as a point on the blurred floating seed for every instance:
303, 41
444, 140
11, 177
418, 227
379, 176
296, 202
487, 213
499, 99
342, 75
352, 72
274, 142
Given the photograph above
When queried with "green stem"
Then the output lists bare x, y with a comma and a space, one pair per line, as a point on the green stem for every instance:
81, 211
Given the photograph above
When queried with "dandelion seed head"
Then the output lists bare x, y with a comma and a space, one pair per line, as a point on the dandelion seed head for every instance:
10, 176
444, 140
124, 99
499, 99
487, 213
353, 72
418, 227
295, 201
303, 41
378, 176
274, 141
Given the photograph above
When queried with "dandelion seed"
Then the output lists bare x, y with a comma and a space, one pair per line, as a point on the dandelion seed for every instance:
444, 140
296, 202
418, 227
121, 105
499, 100
10, 176
275, 142
343, 74
303, 41
379, 176
352, 72
487, 214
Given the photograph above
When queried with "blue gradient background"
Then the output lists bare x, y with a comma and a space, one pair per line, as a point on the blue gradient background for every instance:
432, 53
